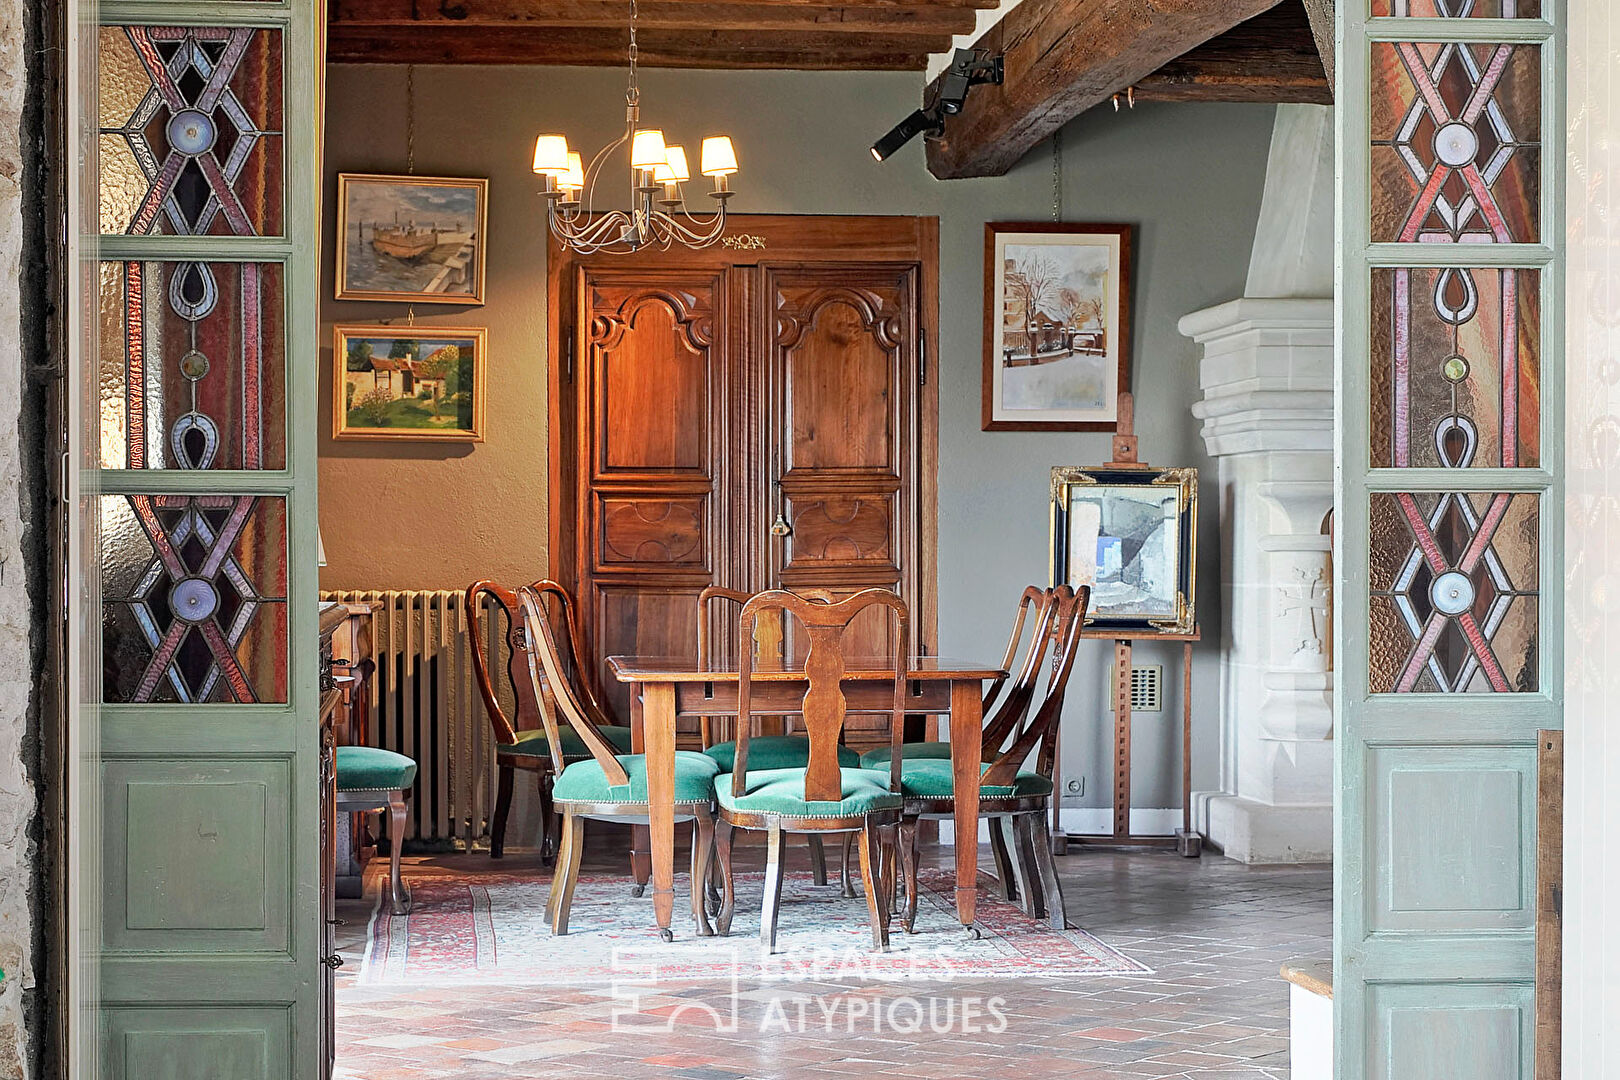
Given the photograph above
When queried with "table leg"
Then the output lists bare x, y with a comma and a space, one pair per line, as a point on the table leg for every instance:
640, 839
658, 728
966, 746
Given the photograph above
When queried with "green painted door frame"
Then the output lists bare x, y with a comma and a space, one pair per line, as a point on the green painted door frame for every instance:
1449, 615
206, 959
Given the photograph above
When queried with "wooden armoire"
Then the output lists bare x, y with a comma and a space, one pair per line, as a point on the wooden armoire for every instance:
758, 414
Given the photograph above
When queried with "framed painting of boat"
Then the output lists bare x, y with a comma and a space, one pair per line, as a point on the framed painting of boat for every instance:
413, 238
408, 382
1056, 326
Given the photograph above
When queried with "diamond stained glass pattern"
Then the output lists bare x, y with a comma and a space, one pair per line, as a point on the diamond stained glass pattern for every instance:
1456, 373
1456, 130
194, 598
190, 121
1454, 580
192, 366
1458, 9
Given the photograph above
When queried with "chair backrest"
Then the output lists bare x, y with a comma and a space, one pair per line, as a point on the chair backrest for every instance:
1005, 719
550, 686
1067, 619
1034, 597
823, 708
528, 707
770, 638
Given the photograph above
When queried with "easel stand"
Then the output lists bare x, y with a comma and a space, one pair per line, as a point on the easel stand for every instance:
1185, 840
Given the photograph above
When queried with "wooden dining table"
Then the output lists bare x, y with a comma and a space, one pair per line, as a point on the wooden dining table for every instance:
667, 688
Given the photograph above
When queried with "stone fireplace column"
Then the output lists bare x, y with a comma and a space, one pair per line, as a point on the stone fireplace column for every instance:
1267, 377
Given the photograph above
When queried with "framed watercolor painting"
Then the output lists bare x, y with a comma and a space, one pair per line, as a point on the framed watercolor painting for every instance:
1056, 325
1132, 535
412, 238
408, 382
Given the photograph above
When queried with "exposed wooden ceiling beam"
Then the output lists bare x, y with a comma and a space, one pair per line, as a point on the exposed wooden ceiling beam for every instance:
592, 47
1320, 13
944, 20
1271, 58
1062, 57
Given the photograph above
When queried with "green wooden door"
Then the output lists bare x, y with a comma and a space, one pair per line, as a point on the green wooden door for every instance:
1450, 613
202, 460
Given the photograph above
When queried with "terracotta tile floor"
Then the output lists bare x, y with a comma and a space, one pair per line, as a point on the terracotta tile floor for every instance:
1213, 931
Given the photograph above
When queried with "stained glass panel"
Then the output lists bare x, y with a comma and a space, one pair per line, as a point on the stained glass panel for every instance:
192, 366
194, 598
1458, 9
1455, 581
1456, 142
1456, 372
190, 121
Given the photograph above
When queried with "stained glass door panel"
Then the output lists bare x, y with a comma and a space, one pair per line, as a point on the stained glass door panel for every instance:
1456, 367
1458, 9
1456, 142
191, 130
193, 365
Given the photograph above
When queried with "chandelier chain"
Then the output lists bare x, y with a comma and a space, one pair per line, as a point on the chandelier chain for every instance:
632, 93
1057, 175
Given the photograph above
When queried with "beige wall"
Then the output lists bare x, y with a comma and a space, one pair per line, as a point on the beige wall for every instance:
1190, 177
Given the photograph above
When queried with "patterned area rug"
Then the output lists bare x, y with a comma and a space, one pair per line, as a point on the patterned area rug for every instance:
491, 929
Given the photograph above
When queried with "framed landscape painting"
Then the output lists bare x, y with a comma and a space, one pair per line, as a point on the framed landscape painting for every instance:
1056, 326
420, 382
412, 238
1132, 535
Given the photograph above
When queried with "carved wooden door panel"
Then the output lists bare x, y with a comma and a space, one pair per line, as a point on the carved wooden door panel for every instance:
842, 382
653, 447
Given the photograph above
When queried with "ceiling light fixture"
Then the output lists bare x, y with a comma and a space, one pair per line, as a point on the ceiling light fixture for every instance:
658, 216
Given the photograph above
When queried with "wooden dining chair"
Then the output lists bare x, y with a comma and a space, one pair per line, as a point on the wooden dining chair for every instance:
1017, 800
823, 796
521, 740
607, 785
784, 751
1003, 716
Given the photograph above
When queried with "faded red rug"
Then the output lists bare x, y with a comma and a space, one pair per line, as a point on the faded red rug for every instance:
491, 929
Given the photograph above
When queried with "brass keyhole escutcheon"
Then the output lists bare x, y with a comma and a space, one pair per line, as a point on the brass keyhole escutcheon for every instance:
780, 527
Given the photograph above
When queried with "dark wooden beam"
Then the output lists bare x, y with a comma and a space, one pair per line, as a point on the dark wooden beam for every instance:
1062, 57
592, 47
1271, 58
1320, 14
916, 18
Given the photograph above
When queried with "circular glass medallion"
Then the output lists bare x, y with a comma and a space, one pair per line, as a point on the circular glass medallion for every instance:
1455, 144
193, 599
191, 132
1452, 593
194, 365
1455, 368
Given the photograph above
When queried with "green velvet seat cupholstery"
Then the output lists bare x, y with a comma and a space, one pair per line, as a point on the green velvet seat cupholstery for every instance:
781, 791
775, 752
366, 768
533, 743
584, 781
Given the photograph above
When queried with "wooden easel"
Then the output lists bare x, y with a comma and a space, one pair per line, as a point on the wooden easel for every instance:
1186, 841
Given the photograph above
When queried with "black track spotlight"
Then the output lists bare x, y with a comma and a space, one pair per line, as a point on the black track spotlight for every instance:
969, 68
919, 122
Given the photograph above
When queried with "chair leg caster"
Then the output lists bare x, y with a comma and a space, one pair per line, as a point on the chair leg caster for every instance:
639, 890
971, 933
665, 934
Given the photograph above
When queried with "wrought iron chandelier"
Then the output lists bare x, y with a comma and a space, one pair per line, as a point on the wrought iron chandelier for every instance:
658, 215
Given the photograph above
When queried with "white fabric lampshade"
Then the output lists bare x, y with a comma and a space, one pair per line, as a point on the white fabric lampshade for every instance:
719, 159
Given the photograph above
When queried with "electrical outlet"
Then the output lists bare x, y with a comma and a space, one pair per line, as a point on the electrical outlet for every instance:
1075, 787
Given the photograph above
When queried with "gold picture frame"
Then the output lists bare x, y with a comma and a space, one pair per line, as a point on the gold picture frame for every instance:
404, 383
417, 239
1133, 539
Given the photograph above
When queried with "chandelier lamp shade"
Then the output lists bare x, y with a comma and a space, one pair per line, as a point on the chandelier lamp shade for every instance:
658, 216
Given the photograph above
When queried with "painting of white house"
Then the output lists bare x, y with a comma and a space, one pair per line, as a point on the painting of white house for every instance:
408, 386
1056, 336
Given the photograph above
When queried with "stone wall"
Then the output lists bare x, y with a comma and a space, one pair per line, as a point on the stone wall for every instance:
18, 861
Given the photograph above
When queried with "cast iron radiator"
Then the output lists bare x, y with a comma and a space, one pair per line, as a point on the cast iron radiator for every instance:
424, 703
